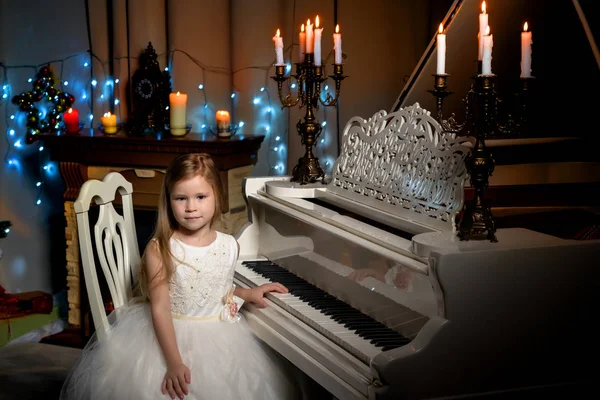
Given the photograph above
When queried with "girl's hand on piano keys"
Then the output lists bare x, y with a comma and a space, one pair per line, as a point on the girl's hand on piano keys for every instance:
256, 295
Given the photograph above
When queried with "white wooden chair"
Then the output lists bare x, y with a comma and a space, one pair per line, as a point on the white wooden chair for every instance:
115, 243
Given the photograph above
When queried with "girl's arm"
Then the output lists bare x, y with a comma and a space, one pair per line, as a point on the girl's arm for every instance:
178, 375
256, 295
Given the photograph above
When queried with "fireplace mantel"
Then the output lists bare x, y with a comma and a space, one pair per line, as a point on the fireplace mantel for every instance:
90, 147
90, 154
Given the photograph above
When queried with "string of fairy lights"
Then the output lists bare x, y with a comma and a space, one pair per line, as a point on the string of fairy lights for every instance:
18, 122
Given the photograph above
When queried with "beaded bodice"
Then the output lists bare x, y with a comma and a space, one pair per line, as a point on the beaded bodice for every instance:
202, 277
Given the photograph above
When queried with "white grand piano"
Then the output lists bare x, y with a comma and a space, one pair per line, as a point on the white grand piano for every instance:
386, 303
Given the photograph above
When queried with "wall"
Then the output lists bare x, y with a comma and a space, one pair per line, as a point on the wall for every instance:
226, 46
563, 63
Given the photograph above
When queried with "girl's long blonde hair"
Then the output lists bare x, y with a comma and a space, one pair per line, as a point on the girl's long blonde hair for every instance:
181, 168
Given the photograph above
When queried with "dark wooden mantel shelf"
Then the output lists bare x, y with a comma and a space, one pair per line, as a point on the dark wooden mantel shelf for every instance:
91, 147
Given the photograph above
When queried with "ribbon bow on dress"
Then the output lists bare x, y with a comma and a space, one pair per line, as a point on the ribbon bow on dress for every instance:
232, 306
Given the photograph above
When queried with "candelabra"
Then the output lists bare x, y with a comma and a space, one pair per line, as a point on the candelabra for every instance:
481, 121
308, 78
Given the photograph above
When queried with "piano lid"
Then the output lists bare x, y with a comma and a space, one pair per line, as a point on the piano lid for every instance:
565, 61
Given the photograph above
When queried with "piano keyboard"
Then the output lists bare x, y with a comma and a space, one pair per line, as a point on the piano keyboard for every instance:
354, 331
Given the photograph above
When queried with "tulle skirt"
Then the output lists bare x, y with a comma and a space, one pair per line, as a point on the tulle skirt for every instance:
225, 359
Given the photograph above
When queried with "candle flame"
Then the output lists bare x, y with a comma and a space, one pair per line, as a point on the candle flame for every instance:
178, 93
525, 27
107, 114
277, 34
302, 28
70, 110
337, 28
441, 29
487, 30
317, 22
483, 8
308, 22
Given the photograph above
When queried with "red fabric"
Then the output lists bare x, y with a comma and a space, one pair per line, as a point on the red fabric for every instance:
9, 304
589, 233
12, 305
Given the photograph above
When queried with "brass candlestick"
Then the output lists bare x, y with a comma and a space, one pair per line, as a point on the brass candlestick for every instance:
309, 78
477, 220
481, 121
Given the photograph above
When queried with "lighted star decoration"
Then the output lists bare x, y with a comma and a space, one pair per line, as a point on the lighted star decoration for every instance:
43, 89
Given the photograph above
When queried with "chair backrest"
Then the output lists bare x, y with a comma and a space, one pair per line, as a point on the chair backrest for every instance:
115, 242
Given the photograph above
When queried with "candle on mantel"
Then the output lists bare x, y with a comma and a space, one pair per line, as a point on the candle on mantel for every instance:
223, 121
337, 45
302, 43
488, 43
318, 34
109, 123
526, 52
177, 109
483, 23
441, 51
71, 119
310, 40
278, 48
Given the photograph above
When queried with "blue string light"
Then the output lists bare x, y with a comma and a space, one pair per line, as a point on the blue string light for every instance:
262, 100
87, 93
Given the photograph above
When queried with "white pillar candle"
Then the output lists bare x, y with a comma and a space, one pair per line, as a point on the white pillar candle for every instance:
337, 45
310, 40
483, 23
302, 38
526, 52
278, 40
488, 43
177, 108
318, 34
441, 51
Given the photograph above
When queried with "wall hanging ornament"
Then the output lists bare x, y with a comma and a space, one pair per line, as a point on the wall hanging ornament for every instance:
43, 90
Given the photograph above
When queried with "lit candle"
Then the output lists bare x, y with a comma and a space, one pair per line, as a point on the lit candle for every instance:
177, 108
337, 44
488, 43
441, 51
109, 123
302, 43
318, 34
483, 23
310, 40
278, 48
526, 52
71, 119
223, 121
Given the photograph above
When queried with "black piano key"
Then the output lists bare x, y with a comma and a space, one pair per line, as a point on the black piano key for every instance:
385, 342
378, 334
357, 325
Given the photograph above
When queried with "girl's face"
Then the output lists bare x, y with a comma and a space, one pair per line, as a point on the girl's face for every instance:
193, 204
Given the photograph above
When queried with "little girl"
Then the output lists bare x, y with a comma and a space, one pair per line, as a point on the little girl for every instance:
188, 340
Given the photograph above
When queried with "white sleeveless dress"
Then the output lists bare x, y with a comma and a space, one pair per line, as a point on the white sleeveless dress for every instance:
225, 359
